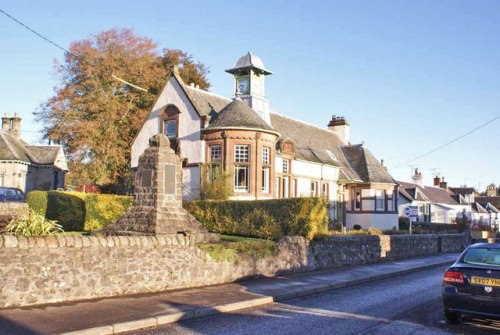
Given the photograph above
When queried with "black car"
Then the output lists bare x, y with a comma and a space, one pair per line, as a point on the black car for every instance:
11, 194
471, 285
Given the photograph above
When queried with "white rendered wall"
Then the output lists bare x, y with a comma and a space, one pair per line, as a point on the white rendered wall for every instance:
191, 146
13, 173
191, 183
368, 220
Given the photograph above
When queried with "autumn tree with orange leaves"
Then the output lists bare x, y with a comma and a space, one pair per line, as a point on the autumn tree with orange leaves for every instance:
96, 117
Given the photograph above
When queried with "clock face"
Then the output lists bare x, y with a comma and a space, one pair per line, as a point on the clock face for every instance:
244, 85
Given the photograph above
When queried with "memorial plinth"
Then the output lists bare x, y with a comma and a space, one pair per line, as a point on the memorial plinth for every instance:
157, 207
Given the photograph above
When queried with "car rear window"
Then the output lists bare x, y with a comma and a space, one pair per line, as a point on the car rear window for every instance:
483, 256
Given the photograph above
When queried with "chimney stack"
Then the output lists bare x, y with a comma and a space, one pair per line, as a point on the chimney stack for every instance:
436, 181
6, 123
16, 126
339, 125
417, 178
443, 184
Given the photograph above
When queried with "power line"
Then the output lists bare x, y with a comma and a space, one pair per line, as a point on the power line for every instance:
35, 32
63, 49
447, 143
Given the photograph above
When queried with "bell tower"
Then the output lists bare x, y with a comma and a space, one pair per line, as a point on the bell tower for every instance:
249, 84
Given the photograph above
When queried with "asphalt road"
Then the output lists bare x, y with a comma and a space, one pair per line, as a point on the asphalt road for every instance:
409, 304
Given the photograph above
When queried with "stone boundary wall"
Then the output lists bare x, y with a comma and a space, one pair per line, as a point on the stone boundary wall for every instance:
41, 270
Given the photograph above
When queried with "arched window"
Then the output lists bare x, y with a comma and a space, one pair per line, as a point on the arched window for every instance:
169, 124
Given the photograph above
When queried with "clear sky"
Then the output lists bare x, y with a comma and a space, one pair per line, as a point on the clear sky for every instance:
409, 76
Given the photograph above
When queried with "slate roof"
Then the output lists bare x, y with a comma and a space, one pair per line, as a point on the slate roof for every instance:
206, 103
238, 114
44, 154
14, 149
495, 200
367, 167
412, 191
311, 142
477, 208
432, 194
439, 195
462, 190
488, 206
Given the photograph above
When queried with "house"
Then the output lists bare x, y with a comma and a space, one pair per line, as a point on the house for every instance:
28, 167
269, 155
492, 205
436, 204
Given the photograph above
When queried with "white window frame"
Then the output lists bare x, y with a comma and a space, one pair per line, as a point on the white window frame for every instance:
286, 166
265, 155
242, 153
285, 187
265, 179
241, 185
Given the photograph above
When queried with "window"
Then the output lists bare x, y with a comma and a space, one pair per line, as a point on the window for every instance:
277, 187
324, 191
171, 128
241, 171
2, 178
379, 200
285, 187
357, 201
314, 189
390, 201
241, 153
285, 166
241, 178
294, 188
265, 156
265, 180
368, 199
215, 153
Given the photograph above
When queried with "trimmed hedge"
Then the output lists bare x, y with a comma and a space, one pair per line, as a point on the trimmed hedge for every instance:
268, 219
76, 211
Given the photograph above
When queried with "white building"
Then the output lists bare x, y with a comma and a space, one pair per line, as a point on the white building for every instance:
270, 155
28, 167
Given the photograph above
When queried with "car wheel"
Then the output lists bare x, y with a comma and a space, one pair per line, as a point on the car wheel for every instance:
451, 317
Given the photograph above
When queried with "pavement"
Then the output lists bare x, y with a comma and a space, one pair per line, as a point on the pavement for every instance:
127, 313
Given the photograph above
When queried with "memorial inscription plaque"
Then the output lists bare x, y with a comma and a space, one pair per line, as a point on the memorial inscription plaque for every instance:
146, 177
170, 179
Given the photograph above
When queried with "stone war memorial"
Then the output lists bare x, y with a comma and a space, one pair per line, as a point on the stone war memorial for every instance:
157, 207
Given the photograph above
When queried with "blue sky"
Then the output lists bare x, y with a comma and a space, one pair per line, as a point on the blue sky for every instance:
408, 75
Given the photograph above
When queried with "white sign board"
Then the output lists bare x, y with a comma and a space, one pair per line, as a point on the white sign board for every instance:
411, 212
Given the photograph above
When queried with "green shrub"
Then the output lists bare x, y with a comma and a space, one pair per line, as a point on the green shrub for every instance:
104, 209
67, 209
215, 183
37, 201
268, 219
77, 211
34, 225
404, 223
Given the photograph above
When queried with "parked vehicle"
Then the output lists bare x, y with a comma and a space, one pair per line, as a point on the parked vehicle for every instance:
471, 286
11, 194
